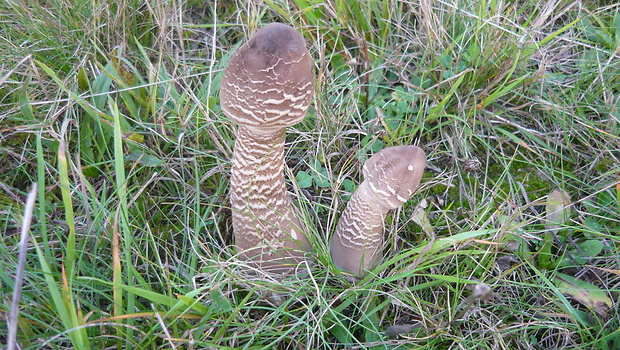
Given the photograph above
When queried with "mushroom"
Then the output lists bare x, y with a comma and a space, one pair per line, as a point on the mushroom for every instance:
266, 87
391, 177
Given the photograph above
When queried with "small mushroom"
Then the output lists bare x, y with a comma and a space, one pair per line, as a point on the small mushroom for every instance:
391, 178
266, 88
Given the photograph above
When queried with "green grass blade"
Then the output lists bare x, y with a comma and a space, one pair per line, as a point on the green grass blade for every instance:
123, 215
63, 170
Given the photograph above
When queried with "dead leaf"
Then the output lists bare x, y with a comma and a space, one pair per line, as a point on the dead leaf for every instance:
420, 218
396, 330
585, 293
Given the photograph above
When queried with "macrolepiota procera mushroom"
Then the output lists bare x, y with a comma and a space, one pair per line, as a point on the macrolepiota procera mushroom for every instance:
266, 88
390, 179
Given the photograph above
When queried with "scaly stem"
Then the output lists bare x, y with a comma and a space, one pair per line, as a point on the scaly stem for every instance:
266, 228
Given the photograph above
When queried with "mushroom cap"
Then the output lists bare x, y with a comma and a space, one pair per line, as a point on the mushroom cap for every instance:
269, 80
393, 175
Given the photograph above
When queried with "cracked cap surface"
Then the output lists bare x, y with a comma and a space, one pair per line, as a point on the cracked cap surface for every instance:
269, 81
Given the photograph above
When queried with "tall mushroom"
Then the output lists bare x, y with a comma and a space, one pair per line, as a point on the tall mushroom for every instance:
390, 178
266, 87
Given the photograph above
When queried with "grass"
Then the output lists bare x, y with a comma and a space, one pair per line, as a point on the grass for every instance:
112, 109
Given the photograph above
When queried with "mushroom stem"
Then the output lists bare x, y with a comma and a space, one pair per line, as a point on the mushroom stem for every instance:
266, 228
359, 234
391, 178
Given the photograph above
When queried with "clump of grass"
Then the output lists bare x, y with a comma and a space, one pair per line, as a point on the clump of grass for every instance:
116, 118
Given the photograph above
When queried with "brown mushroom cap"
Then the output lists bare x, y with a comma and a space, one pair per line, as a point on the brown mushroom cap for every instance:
269, 80
394, 174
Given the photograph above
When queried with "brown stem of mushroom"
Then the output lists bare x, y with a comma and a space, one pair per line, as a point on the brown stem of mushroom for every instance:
358, 239
266, 228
